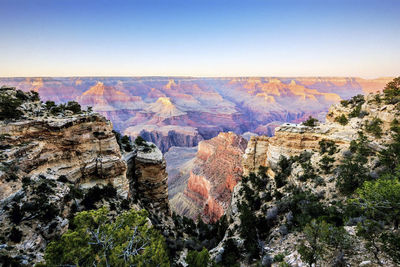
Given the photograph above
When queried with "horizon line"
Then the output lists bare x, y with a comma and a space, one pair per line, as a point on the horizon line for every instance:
188, 77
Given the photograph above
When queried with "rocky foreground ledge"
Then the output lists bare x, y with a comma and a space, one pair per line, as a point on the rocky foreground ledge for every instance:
56, 160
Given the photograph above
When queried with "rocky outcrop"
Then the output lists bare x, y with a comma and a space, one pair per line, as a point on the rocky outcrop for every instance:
209, 177
255, 154
80, 147
54, 164
166, 136
148, 177
292, 139
303, 160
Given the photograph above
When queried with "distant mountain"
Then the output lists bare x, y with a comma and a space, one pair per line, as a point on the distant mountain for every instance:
171, 111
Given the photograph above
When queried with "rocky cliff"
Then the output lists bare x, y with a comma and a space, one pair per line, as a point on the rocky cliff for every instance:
209, 178
57, 160
293, 139
306, 172
80, 147
166, 136
148, 177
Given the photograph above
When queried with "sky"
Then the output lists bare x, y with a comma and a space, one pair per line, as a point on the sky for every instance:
199, 38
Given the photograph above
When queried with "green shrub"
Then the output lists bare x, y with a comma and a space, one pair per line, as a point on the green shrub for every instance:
356, 111
357, 100
352, 170
15, 235
16, 214
380, 199
21, 95
395, 126
283, 172
326, 164
34, 96
231, 254
73, 106
140, 141
371, 231
374, 127
308, 171
126, 143
97, 193
198, 259
327, 146
50, 104
390, 156
377, 98
311, 249
279, 257
392, 91
391, 245
344, 103
342, 119
304, 205
9, 107
311, 122
321, 237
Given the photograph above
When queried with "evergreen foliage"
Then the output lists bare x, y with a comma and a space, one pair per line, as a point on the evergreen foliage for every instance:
352, 170
311, 122
99, 241
198, 259
9, 107
342, 119
392, 91
374, 127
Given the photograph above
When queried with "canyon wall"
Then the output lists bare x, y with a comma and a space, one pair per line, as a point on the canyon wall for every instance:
293, 139
203, 182
148, 179
172, 111
53, 165
328, 161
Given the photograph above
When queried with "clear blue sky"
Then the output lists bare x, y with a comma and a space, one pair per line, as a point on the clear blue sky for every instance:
200, 38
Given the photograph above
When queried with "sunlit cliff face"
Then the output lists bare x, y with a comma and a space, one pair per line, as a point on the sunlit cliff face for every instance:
209, 176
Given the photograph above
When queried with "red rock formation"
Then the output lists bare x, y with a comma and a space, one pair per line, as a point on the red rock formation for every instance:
211, 178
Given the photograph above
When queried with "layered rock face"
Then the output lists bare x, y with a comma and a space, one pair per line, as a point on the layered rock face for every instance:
209, 178
166, 136
183, 111
54, 164
292, 139
303, 160
80, 147
148, 179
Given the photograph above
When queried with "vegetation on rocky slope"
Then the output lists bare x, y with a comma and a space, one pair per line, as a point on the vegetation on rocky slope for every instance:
354, 218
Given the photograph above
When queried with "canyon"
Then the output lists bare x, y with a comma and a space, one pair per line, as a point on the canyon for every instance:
56, 161
177, 111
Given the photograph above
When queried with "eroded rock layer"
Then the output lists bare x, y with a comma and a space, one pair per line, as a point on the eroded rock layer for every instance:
148, 177
54, 164
292, 139
209, 177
